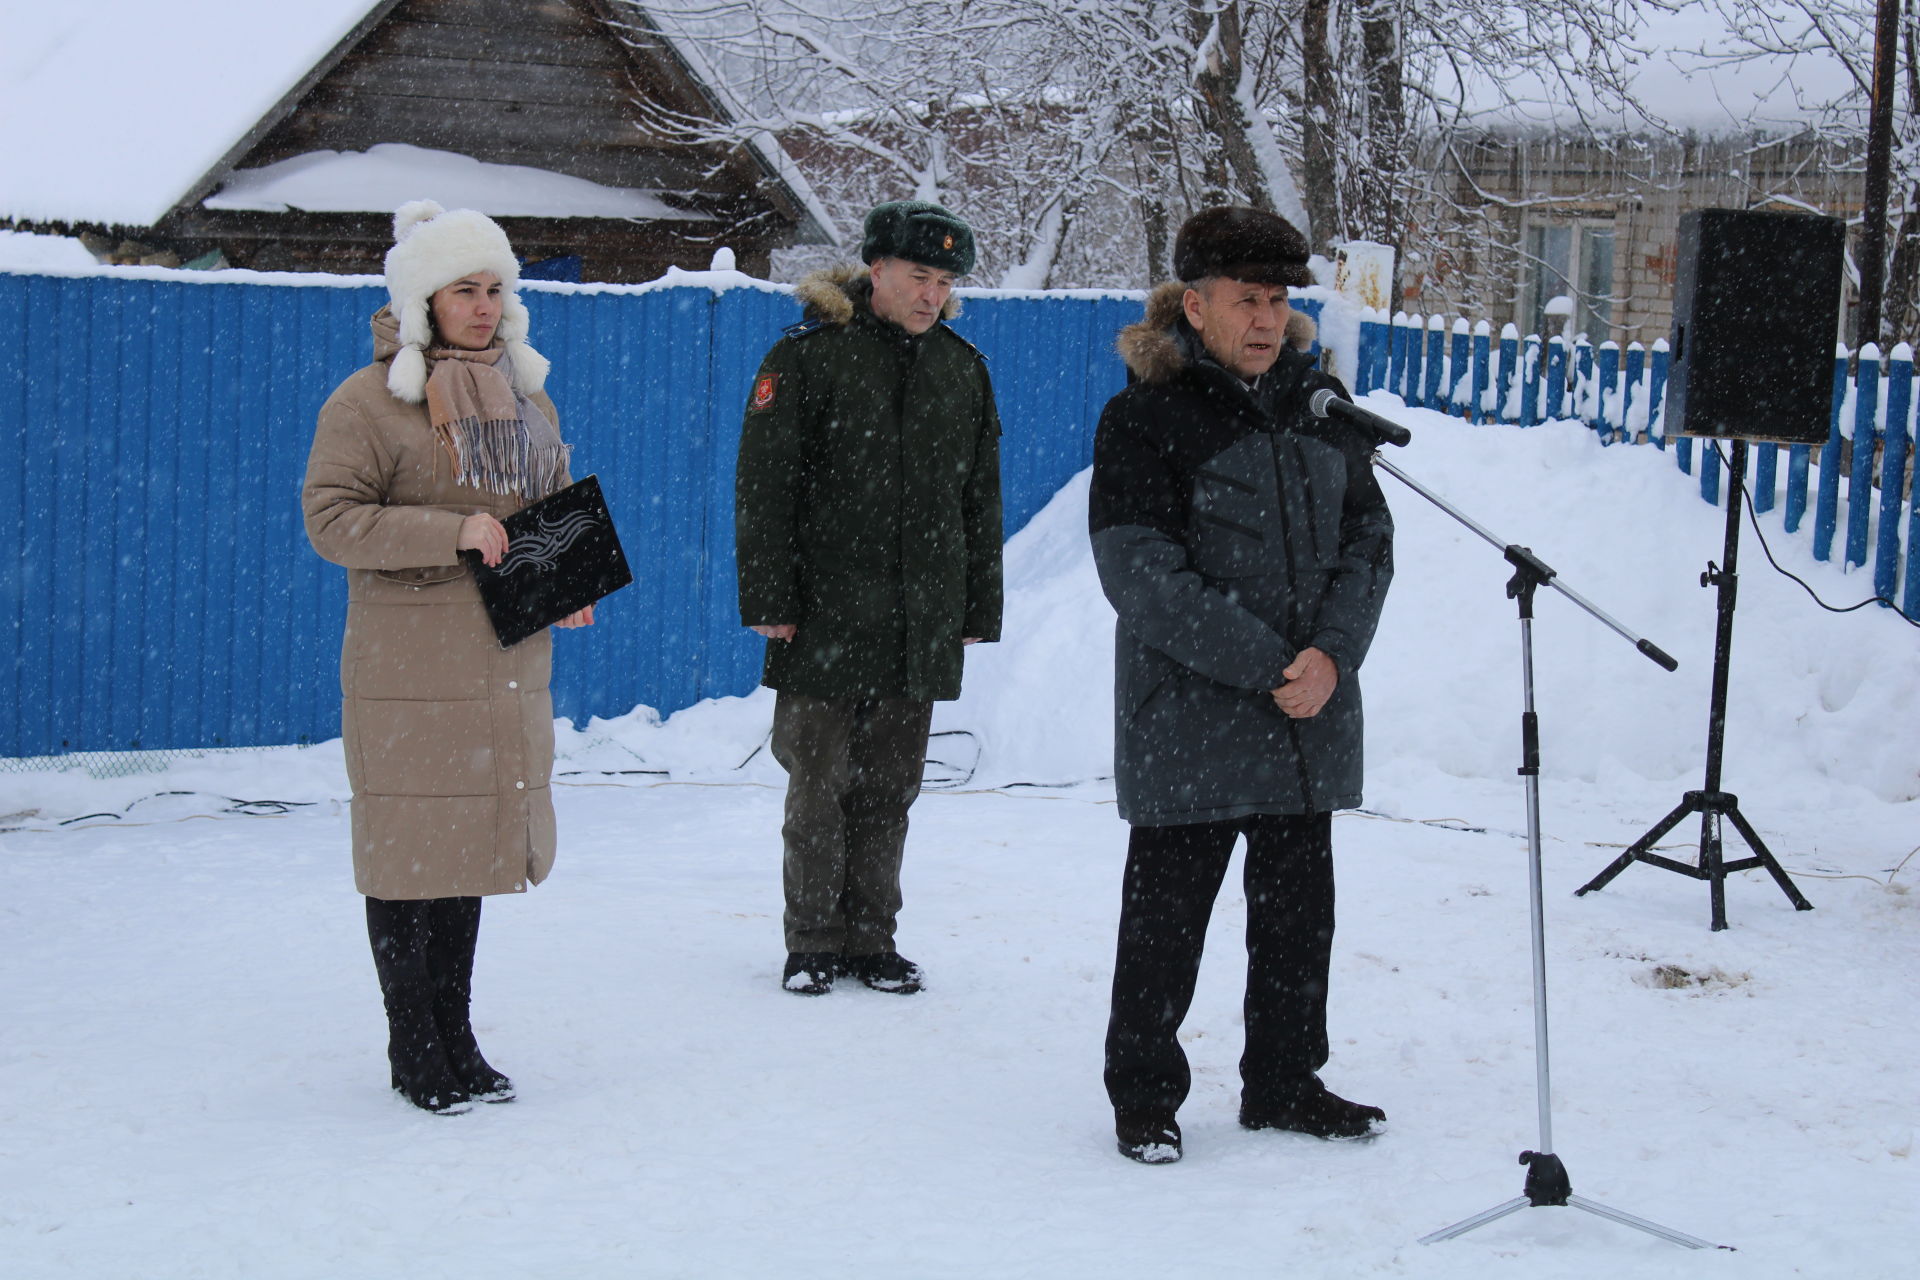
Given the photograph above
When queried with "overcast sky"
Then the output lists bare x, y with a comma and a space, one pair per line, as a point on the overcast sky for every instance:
1679, 88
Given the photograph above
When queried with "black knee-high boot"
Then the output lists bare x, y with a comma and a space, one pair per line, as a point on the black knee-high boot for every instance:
453, 929
398, 933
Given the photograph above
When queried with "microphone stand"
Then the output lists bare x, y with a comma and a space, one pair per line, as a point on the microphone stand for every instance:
1547, 1182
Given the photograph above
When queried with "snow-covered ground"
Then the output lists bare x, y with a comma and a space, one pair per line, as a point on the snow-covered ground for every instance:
192, 1055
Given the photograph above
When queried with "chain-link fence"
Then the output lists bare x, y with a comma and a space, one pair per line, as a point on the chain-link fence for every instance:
119, 764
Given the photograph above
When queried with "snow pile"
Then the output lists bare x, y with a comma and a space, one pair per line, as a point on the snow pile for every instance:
1040, 702
388, 175
24, 252
1831, 701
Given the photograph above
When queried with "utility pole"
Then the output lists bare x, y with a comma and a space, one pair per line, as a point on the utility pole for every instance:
1873, 226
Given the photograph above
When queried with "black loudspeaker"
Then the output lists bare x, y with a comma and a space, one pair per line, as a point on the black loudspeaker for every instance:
1756, 310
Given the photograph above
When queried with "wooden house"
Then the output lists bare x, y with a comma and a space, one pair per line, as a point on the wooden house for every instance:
282, 137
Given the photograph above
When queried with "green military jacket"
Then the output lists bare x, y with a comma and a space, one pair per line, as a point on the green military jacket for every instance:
867, 501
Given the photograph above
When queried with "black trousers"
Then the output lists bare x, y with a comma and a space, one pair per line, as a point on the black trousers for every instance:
1173, 875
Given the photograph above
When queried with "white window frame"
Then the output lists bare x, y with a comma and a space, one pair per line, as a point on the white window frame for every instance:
1543, 280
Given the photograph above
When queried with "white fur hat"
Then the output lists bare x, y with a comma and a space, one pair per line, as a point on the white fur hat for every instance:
431, 249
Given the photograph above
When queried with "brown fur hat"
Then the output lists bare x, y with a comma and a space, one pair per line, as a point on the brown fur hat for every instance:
1241, 243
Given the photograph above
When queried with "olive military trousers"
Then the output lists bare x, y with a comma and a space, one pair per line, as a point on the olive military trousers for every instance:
853, 770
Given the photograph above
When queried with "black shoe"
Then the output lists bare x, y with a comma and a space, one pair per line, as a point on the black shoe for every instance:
809, 973
887, 971
1320, 1114
1151, 1137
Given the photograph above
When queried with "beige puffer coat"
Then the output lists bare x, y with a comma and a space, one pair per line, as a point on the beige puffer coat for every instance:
449, 738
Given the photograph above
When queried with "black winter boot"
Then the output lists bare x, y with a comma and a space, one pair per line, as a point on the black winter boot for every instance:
809, 973
1317, 1112
887, 971
421, 1072
453, 929
1151, 1137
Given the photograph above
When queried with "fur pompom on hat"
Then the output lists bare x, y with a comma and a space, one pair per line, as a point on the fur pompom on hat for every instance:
433, 247
1241, 243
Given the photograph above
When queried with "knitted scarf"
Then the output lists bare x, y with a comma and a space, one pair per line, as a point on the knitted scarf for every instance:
499, 441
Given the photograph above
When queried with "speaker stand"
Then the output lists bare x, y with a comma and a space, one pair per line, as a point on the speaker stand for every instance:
1711, 803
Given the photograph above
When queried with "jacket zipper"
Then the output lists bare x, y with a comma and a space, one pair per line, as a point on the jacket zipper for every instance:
910, 360
1300, 764
1293, 586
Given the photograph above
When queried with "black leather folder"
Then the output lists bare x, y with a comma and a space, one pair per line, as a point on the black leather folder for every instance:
562, 555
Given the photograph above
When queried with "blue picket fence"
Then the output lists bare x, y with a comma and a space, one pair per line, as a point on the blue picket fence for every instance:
1862, 475
158, 590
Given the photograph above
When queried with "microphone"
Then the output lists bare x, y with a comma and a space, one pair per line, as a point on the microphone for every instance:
1326, 403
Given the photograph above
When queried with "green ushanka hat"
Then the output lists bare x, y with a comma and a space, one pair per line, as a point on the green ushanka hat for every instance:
919, 231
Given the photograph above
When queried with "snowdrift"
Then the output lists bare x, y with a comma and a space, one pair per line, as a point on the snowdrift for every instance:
1826, 701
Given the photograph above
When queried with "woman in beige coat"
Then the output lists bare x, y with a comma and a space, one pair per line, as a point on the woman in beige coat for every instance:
449, 737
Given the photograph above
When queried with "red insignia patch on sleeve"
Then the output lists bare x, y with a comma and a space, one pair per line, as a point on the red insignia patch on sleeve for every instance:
763, 391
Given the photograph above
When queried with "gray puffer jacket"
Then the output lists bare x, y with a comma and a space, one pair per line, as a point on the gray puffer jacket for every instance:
1231, 529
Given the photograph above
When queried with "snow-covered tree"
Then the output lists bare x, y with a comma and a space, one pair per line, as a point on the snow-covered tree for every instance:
1078, 133
964, 102
1818, 55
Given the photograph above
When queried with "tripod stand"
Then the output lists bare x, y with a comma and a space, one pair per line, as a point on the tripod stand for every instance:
1711, 803
1547, 1181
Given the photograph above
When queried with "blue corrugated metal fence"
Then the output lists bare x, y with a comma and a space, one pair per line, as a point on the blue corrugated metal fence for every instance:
158, 590
154, 431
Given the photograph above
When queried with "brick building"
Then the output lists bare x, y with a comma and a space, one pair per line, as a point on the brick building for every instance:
1507, 222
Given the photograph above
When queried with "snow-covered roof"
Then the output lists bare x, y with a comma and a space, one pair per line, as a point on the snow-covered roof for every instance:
111, 110
386, 176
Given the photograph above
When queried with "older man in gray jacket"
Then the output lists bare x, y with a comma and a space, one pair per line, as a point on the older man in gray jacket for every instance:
1246, 548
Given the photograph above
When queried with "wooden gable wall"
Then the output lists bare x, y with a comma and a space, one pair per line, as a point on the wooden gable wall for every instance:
543, 83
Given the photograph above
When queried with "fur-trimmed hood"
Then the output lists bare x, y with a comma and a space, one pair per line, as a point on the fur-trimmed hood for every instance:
1158, 347
833, 294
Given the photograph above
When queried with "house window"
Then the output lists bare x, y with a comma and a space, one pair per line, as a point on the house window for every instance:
1574, 259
